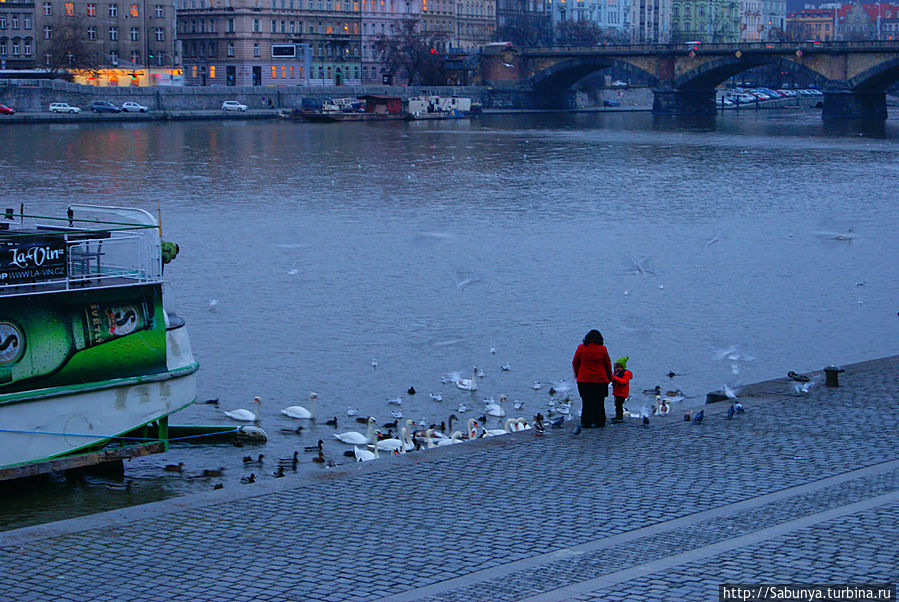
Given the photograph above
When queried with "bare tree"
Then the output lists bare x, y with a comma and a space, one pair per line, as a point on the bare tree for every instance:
577, 33
68, 48
526, 30
412, 55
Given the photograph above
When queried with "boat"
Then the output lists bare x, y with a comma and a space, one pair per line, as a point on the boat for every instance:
432, 106
373, 107
89, 347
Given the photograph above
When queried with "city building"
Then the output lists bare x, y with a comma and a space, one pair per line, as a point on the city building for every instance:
774, 20
524, 22
816, 24
705, 21
651, 21
751, 20
610, 16
133, 41
17, 35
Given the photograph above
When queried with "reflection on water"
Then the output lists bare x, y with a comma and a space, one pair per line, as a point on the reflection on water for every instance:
423, 245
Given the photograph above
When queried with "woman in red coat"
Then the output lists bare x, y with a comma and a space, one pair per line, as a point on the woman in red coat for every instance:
593, 372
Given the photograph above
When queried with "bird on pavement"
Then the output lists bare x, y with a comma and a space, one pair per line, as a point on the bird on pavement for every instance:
557, 422
739, 408
699, 416
731, 411
646, 421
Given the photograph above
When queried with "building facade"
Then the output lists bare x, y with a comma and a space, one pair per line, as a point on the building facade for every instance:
705, 21
774, 20
816, 24
651, 21
610, 16
524, 22
17, 35
134, 35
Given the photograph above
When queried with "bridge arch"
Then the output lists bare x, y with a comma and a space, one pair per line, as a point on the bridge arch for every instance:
876, 79
710, 74
550, 84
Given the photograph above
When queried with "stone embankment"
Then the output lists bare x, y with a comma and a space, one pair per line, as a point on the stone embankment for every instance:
802, 488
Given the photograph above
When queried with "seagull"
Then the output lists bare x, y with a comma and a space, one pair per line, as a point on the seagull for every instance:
731, 394
436, 396
395, 401
537, 384
396, 413
493, 350
374, 364
518, 404
803, 388
213, 303
462, 408
699, 416
506, 368
481, 373
352, 411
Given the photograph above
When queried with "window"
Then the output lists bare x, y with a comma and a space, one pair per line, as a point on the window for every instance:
91, 10
160, 11
274, 72
283, 72
15, 47
255, 49
48, 32
134, 11
212, 71
2, 21
256, 26
26, 22
2, 47
211, 25
113, 33
91, 33
135, 34
48, 9
230, 28
15, 21
69, 8
27, 47
211, 48
230, 48
160, 34
114, 57
113, 10
135, 56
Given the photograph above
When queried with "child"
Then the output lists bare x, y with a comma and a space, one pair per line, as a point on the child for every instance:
621, 376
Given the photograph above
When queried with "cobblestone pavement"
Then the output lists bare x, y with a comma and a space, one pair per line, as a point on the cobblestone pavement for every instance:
800, 489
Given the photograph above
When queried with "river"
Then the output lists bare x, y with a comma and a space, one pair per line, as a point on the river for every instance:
726, 250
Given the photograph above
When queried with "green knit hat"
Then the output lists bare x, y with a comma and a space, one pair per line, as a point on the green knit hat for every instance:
623, 360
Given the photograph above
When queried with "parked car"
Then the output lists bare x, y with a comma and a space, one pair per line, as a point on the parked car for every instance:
619, 84
611, 102
233, 105
63, 107
5, 110
131, 106
104, 106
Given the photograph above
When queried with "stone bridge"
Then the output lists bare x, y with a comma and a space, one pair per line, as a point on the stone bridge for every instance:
854, 76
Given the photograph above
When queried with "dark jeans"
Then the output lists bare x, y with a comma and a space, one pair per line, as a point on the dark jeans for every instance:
619, 407
593, 399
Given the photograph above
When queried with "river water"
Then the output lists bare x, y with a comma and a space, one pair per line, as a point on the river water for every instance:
727, 250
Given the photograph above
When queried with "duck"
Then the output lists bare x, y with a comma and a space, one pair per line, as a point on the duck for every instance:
332, 422
249, 479
497, 410
179, 467
250, 460
657, 390
469, 384
278, 473
245, 415
289, 462
299, 411
411, 391
317, 447
362, 420
211, 472
356, 438
296, 431
320, 458
364, 455
390, 425
212, 402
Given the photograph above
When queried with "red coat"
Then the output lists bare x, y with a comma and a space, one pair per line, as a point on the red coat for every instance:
591, 364
620, 386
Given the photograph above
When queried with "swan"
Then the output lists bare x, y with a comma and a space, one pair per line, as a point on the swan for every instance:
472, 428
469, 384
300, 411
364, 455
494, 409
356, 438
246, 415
394, 444
522, 425
456, 438
502, 431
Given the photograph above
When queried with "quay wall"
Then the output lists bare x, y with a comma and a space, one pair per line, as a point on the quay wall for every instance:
38, 97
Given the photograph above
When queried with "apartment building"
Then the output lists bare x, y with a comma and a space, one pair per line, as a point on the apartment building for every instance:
17, 35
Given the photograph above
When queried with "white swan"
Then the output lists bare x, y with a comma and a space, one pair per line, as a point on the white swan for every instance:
502, 431
456, 438
522, 424
364, 455
300, 411
245, 415
469, 384
357, 438
497, 410
472, 428
399, 445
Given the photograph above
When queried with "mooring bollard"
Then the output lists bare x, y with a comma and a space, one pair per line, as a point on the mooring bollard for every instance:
831, 376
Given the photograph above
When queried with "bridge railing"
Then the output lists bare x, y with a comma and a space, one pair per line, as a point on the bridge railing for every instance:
870, 46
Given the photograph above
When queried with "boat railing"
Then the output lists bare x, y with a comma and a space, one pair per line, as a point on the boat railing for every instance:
53, 256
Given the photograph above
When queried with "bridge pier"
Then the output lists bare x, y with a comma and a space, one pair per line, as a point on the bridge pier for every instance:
842, 103
667, 101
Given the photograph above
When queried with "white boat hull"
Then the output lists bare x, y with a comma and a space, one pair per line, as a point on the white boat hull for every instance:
37, 429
